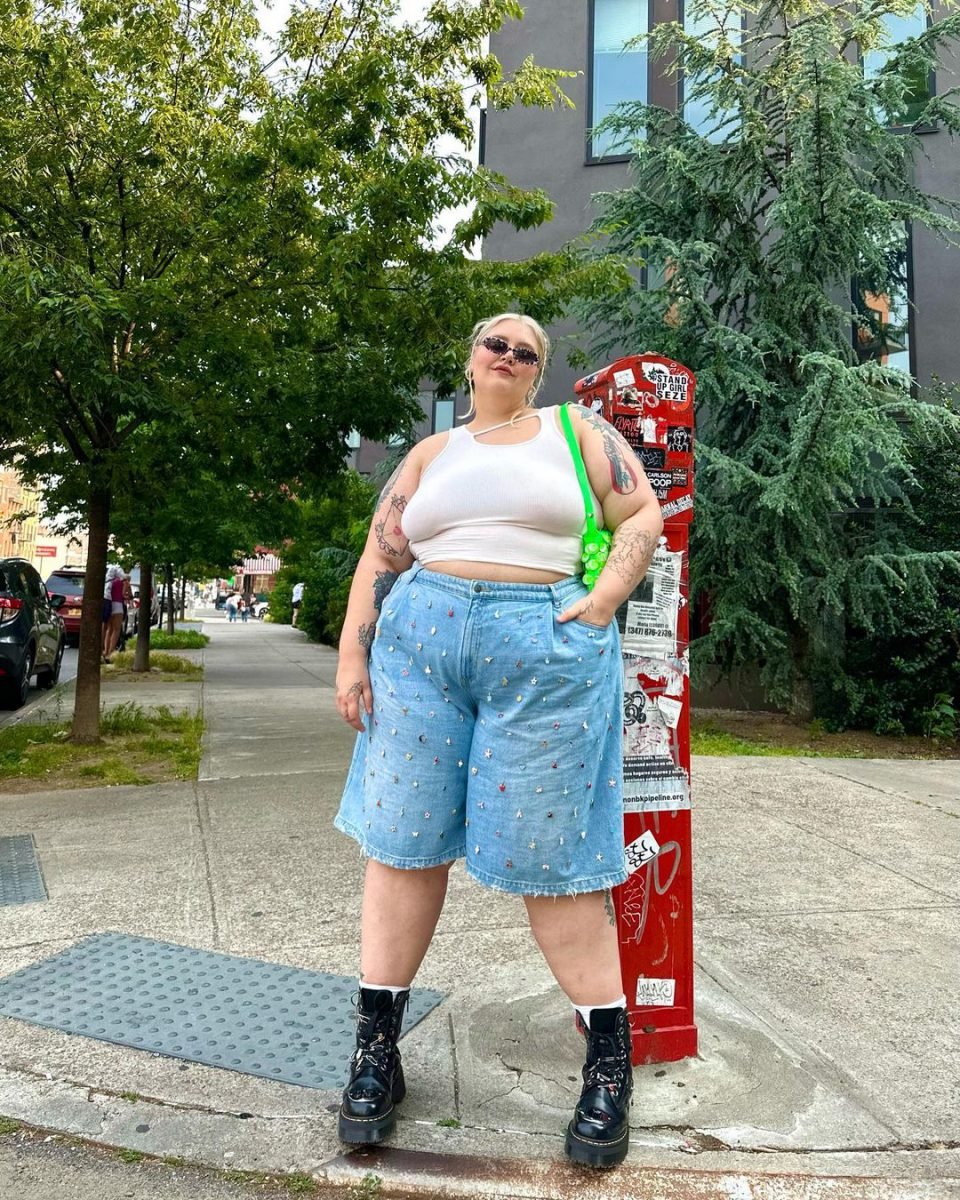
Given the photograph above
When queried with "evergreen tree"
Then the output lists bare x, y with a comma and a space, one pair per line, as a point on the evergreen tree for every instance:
771, 224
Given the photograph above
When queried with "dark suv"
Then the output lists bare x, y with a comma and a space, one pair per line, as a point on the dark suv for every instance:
32, 636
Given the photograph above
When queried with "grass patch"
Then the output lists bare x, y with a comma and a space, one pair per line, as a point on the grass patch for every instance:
164, 667
706, 738
130, 1156
183, 639
8, 1125
138, 746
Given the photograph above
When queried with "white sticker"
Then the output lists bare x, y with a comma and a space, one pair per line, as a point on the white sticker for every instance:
651, 625
624, 378
670, 709
642, 850
681, 504
656, 993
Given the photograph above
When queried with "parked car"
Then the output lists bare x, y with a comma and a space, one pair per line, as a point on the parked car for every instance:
260, 608
134, 621
32, 633
68, 582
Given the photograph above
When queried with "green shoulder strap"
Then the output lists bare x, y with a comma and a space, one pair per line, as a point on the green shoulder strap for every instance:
578, 463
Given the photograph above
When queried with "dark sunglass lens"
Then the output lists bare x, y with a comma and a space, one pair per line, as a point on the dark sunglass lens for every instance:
496, 345
526, 357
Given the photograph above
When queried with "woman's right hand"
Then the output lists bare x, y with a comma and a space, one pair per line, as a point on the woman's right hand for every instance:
354, 694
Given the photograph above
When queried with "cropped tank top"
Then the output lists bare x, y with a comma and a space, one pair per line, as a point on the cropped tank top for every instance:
520, 505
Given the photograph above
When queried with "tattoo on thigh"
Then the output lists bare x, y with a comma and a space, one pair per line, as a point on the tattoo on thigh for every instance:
608, 907
382, 585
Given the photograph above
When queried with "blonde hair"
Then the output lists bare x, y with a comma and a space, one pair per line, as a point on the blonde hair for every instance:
480, 331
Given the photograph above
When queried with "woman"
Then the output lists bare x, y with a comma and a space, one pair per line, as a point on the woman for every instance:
486, 684
113, 590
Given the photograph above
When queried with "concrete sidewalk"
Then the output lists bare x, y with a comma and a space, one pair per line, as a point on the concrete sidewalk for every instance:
828, 971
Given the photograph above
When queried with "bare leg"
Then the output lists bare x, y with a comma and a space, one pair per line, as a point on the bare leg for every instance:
113, 632
579, 941
400, 913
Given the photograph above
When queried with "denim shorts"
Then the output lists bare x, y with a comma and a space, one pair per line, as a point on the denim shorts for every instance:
495, 737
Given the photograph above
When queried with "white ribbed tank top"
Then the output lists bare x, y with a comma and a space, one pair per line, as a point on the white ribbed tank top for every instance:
520, 505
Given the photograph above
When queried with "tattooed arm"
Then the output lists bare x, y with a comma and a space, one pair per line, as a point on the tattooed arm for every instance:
630, 509
385, 556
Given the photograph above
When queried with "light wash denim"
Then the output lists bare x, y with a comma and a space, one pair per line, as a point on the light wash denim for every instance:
495, 737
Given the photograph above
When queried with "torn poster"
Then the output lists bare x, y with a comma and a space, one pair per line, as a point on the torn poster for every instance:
651, 624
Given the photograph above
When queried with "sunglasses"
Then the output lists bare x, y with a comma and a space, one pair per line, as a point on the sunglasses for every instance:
521, 354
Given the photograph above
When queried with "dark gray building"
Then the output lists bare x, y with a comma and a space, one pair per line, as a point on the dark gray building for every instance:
553, 150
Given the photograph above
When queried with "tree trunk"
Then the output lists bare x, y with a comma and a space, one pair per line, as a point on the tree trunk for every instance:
183, 598
86, 711
801, 697
141, 655
168, 607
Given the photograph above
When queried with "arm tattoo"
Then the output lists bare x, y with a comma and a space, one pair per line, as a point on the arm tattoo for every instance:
631, 553
623, 476
389, 484
608, 907
389, 527
366, 634
382, 585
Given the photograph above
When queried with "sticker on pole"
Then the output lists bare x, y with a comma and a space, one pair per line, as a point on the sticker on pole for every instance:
651, 625
655, 993
641, 851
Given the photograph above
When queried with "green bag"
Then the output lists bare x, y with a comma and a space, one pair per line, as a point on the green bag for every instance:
596, 541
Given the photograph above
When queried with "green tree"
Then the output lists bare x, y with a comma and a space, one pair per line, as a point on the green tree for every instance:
753, 227
192, 236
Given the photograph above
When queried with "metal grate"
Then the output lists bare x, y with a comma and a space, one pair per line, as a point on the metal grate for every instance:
245, 1015
20, 878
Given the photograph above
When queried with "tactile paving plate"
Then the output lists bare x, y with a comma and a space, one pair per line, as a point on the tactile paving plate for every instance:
245, 1015
20, 878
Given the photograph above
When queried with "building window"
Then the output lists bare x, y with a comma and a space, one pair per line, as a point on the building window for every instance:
710, 30
616, 75
920, 84
353, 448
884, 308
443, 415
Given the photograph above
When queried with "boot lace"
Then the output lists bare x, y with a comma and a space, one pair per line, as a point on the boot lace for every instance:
606, 1064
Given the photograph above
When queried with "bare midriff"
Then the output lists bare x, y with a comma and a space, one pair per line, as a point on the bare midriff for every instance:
495, 572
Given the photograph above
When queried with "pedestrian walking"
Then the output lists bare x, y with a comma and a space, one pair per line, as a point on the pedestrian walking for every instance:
485, 682
243, 608
297, 600
231, 606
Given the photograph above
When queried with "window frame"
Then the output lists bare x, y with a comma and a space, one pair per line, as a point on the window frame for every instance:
591, 159
856, 301
931, 85
437, 400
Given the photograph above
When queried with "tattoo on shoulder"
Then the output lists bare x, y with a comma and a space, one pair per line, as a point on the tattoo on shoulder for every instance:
388, 486
382, 585
623, 475
388, 531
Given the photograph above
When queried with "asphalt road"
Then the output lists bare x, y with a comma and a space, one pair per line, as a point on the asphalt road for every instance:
35, 1166
68, 671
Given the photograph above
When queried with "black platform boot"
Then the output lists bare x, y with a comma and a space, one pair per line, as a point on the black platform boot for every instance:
367, 1113
599, 1134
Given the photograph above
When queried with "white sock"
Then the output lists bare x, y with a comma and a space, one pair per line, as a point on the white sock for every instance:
586, 1009
383, 987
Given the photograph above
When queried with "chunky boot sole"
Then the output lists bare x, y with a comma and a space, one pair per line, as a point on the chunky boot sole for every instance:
368, 1131
597, 1154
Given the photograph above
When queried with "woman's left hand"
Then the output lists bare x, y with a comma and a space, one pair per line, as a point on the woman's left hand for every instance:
589, 611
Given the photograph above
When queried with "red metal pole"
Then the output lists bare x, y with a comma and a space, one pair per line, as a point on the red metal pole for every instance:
649, 400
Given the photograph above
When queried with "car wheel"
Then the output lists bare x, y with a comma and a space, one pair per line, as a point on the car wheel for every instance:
15, 694
48, 676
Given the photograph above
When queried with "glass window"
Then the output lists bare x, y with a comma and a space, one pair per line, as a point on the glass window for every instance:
617, 75
353, 448
709, 29
899, 27
883, 331
443, 415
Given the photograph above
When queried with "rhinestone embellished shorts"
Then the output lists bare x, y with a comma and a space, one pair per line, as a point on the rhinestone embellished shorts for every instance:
495, 737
